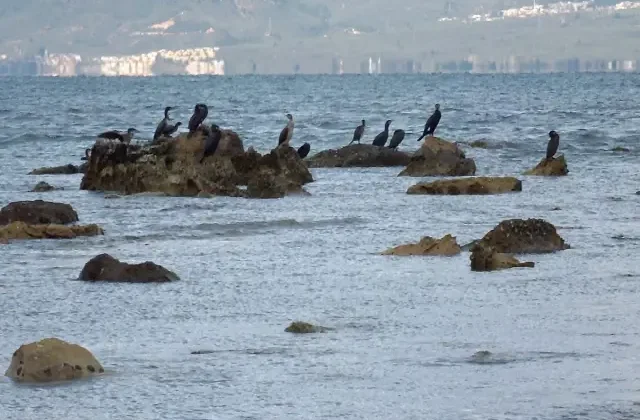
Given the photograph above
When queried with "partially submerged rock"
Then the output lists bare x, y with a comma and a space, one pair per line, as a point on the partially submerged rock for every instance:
519, 236
60, 170
438, 157
21, 230
620, 149
479, 144
358, 155
104, 267
52, 360
445, 246
299, 327
552, 167
38, 212
43, 187
476, 185
484, 258
173, 167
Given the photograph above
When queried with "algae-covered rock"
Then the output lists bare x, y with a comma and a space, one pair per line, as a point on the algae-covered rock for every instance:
472, 186
104, 267
299, 327
550, 167
21, 230
487, 259
358, 155
445, 246
438, 157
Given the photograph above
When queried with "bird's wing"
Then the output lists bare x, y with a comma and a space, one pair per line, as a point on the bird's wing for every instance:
283, 135
160, 129
111, 135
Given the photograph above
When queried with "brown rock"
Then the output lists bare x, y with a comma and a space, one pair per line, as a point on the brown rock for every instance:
38, 212
487, 259
299, 327
553, 167
172, 166
445, 246
104, 267
358, 155
519, 236
21, 230
52, 360
58, 170
438, 157
472, 186
43, 187
479, 144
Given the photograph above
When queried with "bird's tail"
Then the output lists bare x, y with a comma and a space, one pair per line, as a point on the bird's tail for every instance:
421, 137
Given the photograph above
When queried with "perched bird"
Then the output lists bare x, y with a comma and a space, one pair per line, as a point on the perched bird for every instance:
117, 135
554, 143
171, 129
212, 141
287, 132
432, 123
200, 112
87, 154
358, 132
164, 127
396, 139
303, 151
381, 139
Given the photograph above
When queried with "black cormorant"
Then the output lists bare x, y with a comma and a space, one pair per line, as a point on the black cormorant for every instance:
554, 143
87, 154
432, 123
358, 132
381, 139
212, 141
164, 125
200, 112
396, 139
171, 129
287, 132
303, 151
117, 135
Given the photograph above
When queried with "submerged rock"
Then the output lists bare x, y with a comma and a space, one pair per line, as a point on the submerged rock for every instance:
60, 170
519, 236
472, 186
43, 187
38, 212
445, 246
479, 144
484, 258
438, 157
358, 155
299, 327
172, 167
52, 360
104, 267
21, 230
620, 149
553, 167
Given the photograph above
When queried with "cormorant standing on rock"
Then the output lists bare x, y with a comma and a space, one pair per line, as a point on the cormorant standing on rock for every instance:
164, 126
212, 141
381, 139
303, 151
554, 143
116, 135
358, 132
200, 112
396, 139
171, 129
432, 123
87, 154
287, 132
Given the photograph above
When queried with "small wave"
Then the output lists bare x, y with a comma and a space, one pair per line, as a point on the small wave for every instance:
485, 357
247, 227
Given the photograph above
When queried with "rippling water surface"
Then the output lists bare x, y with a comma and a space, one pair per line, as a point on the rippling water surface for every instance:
565, 335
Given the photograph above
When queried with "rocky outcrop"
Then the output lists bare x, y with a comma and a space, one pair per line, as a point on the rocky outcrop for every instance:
51, 360
472, 186
38, 212
445, 246
438, 157
299, 327
358, 155
60, 170
519, 236
21, 230
172, 167
484, 258
104, 267
552, 167
43, 187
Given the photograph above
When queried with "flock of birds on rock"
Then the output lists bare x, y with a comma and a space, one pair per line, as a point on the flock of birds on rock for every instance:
214, 134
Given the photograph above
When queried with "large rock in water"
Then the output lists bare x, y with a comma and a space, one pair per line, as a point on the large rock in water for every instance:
553, 167
519, 236
38, 212
472, 186
104, 267
21, 230
358, 155
60, 170
438, 157
172, 167
445, 246
52, 360
487, 259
